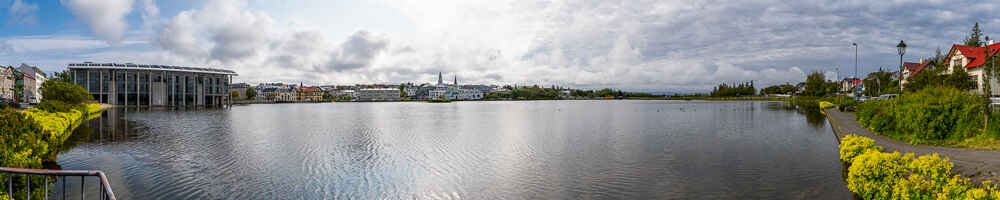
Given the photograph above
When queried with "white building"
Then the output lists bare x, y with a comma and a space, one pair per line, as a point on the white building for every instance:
343, 93
378, 94
453, 91
7, 80
33, 79
411, 91
972, 59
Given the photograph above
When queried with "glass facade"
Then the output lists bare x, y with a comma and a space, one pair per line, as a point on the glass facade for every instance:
132, 87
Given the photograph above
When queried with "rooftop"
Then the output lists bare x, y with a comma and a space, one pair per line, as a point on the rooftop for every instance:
90, 65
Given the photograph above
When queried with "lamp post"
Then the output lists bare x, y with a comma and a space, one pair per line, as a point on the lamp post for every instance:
902, 50
855, 70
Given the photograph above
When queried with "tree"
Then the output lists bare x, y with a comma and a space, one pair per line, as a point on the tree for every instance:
734, 90
234, 94
975, 37
62, 76
64, 91
780, 89
817, 86
251, 93
958, 79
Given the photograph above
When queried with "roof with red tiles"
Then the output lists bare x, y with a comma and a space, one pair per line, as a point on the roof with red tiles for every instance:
974, 53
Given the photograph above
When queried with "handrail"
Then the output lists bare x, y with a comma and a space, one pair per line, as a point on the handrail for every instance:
105, 185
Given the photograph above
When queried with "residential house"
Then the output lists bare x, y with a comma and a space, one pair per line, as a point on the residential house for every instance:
973, 60
311, 93
847, 86
912, 69
7, 82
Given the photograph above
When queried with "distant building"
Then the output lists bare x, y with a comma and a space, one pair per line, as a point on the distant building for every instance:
286, 95
973, 59
153, 85
453, 91
848, 85
411, 91
378, 94
312, 93
343, 93
31, 89
8, 78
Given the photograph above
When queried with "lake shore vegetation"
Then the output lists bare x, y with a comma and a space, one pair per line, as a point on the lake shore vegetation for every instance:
873, 174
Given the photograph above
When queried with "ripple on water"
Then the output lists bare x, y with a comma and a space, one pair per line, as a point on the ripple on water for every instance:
469, 150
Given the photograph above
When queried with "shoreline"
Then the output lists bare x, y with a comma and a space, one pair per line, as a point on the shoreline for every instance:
976, 164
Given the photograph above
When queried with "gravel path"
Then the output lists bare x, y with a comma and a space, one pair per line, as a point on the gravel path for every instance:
980, 165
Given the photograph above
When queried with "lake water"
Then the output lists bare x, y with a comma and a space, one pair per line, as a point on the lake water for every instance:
464, 150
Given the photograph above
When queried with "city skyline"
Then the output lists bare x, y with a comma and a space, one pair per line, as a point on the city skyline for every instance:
633, 45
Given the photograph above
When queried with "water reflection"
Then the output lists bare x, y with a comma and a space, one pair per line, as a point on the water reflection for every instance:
476, 150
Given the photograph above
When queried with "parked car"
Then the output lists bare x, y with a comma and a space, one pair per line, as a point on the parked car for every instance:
887, 96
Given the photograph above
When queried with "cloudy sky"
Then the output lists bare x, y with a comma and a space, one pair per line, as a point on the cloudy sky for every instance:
633, 45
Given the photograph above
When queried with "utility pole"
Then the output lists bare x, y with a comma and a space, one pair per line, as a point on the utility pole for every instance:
855, 69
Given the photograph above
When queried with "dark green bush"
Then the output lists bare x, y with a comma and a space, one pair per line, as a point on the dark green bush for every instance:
65, 92
54, 106
927, 116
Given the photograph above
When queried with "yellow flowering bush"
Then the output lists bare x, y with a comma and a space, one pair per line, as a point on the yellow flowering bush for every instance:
852, 145
30, 136
873, 174
825, 105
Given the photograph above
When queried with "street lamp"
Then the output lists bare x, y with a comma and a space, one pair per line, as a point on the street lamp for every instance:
855, 70
902, 50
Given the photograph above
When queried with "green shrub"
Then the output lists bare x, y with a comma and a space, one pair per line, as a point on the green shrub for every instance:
65, 92
852, 145
22, 140
938, 113
928, 116
873, 174
53, 106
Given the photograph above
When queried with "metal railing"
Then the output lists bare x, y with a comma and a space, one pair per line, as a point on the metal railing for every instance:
105, 188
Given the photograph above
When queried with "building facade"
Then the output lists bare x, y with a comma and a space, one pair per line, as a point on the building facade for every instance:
310, 93
7, 80
153, 85
972, 59
378, 94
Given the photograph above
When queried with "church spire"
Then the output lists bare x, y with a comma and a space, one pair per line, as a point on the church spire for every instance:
440, 80
456, 80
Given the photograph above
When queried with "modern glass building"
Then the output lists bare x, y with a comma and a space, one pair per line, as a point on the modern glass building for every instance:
153, 85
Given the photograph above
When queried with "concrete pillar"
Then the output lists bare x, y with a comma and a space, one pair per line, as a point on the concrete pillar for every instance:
149, 88
184, 93
88, 81
100, 83
125, 78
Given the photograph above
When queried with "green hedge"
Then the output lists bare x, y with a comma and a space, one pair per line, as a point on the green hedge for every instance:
874, 174
928, 116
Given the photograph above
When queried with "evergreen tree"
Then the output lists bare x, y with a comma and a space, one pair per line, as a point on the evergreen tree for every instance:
975, 37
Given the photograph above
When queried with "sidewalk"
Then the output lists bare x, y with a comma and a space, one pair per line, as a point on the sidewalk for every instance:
979, 165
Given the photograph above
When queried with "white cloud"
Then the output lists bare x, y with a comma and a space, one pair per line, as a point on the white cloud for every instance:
150, 14
642, 44
37, 44
106, 18
22, 13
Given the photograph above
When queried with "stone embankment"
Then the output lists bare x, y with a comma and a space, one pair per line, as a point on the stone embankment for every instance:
979, 165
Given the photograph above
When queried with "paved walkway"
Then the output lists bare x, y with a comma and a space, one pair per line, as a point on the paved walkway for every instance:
980, 165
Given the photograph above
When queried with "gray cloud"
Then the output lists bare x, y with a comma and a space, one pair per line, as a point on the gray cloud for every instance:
358, 51
647, 45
